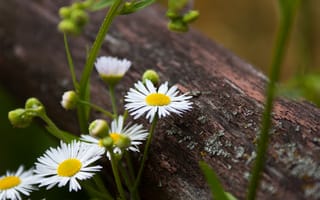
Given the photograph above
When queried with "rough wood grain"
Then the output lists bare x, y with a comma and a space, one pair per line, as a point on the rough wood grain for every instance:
228, 101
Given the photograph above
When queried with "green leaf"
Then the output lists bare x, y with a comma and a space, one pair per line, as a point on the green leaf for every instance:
101, 4
131, 7
213, 181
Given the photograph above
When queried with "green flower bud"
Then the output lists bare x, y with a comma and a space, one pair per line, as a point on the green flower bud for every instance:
172, 15
79, 17
152, 76
106, 142
190, 16
120, 140
69, 27
87, 4
35, 105
65, 12
178, 26
77, 5
98, 128
20, 118
127, 8
69, 100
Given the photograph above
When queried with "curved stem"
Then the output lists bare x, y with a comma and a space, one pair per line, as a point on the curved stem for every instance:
114, 165
55, 131
281, 41
145, 153
98, 108
83, 110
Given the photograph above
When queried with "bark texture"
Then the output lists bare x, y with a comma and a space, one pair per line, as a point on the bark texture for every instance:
228, 97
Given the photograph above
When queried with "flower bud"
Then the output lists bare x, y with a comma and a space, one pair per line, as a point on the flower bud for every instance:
190, 16
178, 26
35, 105
127, 8
69, 27
152, 76
79, 17
106, 142
77, 5
20, 118
98, 128
65, 12
69, 100
87, 4
120, 140
172, 15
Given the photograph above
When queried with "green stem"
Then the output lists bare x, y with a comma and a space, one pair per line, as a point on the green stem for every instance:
129, 164
145, 153
98, 108
84, 82
281, 41
113, 100
125, 176
70, 63
55, 131
100, 185
114, 165
94, 193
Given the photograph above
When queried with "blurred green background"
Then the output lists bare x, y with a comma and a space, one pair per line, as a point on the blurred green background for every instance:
248, 28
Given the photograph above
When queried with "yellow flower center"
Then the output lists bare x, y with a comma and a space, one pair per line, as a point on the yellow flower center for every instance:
115, 137
157, 99
69, 167
9, 182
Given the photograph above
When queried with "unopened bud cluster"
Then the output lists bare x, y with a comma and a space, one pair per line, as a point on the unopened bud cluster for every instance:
74, 17
179, 22
22, 117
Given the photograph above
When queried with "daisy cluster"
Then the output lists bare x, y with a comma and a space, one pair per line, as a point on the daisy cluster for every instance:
76, 160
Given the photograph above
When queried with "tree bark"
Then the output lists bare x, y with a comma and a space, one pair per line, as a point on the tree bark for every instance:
228, 96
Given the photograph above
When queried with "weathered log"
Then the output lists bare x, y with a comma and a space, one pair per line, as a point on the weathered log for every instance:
228, 101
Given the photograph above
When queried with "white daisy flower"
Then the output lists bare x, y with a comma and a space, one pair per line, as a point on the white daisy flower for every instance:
128, 137
68, 163
162, 101
12, 184
112, 69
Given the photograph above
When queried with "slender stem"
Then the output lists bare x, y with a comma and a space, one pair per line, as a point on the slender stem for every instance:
100, 185
113, 100
98, 108
129, 164
145, 153
114, 165
125, 176
93, 192
281, 41
70, 63
84, 82
55, 131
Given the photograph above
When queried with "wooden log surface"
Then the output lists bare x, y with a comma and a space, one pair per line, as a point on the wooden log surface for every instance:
228, 97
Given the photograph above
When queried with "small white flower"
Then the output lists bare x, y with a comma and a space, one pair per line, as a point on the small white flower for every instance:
68, 163
112, 69
119, 134
162, 101
12, 184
